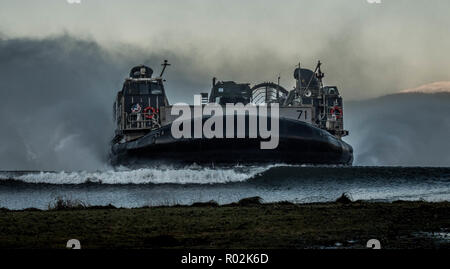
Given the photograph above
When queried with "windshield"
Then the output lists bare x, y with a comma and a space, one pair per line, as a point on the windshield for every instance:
143, 88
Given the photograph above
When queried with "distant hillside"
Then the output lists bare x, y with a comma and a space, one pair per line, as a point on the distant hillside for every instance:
405, 129
435, 87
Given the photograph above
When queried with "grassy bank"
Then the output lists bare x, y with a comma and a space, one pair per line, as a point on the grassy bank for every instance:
248, 224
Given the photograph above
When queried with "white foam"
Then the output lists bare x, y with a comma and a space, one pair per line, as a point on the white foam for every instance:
187, 175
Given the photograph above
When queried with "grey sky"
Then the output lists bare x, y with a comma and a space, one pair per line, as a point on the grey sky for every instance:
368, 49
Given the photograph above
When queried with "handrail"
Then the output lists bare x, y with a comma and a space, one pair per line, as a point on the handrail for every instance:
141, 121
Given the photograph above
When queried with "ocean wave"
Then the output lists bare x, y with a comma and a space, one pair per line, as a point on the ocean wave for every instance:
148, 175
274, 174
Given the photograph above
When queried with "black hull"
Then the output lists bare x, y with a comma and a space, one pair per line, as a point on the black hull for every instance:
299, 143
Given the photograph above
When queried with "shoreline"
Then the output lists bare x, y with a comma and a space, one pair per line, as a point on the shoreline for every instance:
247, 224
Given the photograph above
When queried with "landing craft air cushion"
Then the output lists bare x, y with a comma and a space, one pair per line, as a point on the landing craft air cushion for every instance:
309, 120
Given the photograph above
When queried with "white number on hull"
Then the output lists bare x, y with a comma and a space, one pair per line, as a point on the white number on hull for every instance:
297, 113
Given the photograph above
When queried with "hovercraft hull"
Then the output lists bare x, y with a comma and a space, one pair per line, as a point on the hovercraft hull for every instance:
299, 143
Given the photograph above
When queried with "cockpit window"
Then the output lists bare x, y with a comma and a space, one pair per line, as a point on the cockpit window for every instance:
156, 89
143, 88
133, 90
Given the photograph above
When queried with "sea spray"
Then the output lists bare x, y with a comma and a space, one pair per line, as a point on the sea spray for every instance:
148, 175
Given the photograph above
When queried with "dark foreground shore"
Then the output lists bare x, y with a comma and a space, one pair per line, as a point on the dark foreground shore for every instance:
243, 225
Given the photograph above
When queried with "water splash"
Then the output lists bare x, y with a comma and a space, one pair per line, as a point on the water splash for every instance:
149, 175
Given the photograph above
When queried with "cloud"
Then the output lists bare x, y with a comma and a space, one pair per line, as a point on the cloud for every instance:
368, 50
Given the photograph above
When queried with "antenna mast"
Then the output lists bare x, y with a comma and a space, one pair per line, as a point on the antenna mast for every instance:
278, 86
165, 64
320, 75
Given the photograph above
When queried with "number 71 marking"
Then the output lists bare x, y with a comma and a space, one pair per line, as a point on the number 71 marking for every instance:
300, 114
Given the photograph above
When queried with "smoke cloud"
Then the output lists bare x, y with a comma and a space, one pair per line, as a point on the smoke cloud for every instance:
410, 129
55, 102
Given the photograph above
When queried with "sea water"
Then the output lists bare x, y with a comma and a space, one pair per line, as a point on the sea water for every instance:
170, 185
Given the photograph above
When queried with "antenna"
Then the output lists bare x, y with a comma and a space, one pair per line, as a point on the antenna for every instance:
165, 64
278, 86
320, 75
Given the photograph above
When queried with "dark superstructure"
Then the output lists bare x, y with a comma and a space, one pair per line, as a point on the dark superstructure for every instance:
230, 92
310, 122
137, 105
